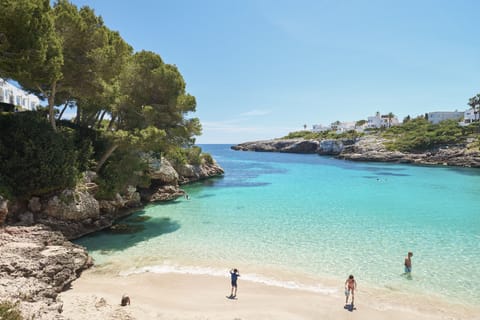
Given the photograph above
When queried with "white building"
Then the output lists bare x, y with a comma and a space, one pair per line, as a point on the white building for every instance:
320, 128
10, 94
343, 126
470, 116
382, 121
439, 116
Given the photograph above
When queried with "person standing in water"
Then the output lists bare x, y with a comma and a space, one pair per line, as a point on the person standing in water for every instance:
234, 274
408, 263
350, 287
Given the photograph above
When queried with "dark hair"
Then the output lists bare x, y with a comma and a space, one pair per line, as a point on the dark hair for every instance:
350, 276
235, 270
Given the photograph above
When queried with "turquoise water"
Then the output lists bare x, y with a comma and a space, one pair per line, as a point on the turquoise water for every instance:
310, 221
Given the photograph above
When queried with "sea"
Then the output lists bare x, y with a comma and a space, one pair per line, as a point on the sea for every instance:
307, 222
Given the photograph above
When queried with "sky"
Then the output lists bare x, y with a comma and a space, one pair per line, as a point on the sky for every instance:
260, 69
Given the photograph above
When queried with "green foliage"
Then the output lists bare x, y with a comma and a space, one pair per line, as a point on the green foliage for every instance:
309, 135
122, 169
66, 55
31, 50
8, 311
177, 157
419, 135
207, 157
34, 159
192, 155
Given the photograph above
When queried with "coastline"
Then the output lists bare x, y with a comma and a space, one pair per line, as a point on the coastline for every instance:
368, 149
97, 294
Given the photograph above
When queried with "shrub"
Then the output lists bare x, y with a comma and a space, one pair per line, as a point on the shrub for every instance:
123, 168
309, 135
34, 159
420, 135
207, 157
8, 311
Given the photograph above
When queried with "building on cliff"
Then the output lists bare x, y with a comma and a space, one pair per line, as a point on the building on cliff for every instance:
13, 98
470, 116
439, 116
382, 121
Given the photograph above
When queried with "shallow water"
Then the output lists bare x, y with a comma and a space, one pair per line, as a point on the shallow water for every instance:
285, 217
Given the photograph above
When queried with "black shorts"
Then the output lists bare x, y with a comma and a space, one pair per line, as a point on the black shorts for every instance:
234, 284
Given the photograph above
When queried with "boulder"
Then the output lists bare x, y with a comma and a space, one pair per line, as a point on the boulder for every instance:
330, 147
190, 173
73, 205
162, 171
164, 193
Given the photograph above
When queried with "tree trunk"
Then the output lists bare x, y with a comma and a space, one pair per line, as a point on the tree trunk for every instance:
79, 114
105, 156
63, 110
51, 105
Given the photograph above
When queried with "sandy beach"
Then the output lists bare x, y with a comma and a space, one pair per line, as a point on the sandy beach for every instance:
97, 295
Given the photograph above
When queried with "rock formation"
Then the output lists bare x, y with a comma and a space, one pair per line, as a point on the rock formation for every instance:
369, 148
35, 265
280, 145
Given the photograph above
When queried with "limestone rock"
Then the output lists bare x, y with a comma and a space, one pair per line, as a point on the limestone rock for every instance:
34, 204
73, 205
190, 173
164, 193
162, 171
35, 265
280, 145
330, 147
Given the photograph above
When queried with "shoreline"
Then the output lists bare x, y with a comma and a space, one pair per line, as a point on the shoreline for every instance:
97, 294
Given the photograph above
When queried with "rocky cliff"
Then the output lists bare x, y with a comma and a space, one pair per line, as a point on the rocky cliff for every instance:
370, 148
36, 264
76, 212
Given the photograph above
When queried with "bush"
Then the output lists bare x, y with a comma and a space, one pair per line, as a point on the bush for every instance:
419, 135
309, 135
8, 311
207, 157
192, 155
34, 159
123, 168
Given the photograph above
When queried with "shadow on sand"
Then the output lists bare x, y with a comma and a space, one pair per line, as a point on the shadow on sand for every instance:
349, 307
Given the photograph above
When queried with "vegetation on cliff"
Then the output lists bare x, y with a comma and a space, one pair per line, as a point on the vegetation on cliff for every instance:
330, 134
126, 103
420, 135
414, 135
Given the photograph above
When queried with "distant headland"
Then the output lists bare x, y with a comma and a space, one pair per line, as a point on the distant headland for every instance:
416, 141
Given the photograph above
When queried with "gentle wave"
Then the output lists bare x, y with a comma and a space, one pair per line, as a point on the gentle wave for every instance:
165, 269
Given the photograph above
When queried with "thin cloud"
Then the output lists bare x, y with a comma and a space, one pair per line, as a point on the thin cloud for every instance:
255, 113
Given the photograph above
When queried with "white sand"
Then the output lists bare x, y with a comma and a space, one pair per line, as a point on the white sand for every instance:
179, 296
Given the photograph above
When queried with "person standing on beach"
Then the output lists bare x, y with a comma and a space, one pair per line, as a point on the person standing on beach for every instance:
234, 274
408, 263
350, 287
